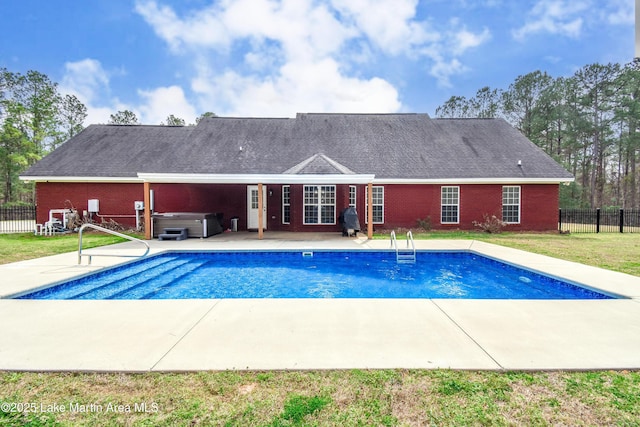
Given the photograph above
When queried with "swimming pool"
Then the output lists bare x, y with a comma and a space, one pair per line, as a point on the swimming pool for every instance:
317, 274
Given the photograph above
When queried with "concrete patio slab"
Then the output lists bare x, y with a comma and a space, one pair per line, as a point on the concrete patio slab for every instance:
92, 335
592, 334
180, 335
325, 334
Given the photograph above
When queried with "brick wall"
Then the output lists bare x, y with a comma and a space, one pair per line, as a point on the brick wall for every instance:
115, 199
403, 204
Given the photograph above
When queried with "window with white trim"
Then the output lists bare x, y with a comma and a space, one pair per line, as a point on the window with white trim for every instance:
449, 205
511, 204
377, 194
352, 196
286, 204
319, 204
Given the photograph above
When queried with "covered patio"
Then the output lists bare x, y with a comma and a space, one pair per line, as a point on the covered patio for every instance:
256, 187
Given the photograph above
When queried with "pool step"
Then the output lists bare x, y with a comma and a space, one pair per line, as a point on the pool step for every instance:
405, 257
174, 234
81, 286
149, 288
100, 289
187, 287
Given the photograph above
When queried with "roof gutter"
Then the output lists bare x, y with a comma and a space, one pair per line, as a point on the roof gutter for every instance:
288, 179
109, 179
257, 178
453, 181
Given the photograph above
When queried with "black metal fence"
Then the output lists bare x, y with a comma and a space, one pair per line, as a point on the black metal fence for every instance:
22, 219
599, 220
17, 219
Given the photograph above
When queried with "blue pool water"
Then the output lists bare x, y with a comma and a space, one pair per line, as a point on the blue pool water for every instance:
362, 274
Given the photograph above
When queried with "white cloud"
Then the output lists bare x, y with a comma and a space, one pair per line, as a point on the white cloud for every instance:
201, 29
90, 82
474, 4
161, 102
456, 40
389, 24
562, 17
299, 55
464, 40
85, 79
442, 70
620, 12
302, 27
298, 87
279, 57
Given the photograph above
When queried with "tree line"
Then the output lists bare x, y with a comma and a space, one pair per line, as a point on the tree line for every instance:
588, 122
35, 118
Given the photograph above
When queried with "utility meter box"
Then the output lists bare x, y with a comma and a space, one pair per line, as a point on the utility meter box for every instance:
93, 205
138, 205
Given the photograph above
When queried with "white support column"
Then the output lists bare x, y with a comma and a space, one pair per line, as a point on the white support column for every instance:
147, 211
370, 210
260, 213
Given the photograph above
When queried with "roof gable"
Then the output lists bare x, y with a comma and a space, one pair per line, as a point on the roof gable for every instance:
319, 164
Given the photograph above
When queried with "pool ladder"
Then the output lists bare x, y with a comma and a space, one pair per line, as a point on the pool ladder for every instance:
404, 256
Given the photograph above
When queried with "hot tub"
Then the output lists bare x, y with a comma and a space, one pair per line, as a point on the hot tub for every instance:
198, 224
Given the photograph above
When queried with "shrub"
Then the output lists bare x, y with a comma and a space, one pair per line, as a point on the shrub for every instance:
490, 224
424, 223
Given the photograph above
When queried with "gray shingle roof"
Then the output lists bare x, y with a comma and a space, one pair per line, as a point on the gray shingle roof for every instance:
112, 151
391, 146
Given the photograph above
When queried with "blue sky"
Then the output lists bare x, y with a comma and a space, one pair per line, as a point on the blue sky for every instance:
274, 58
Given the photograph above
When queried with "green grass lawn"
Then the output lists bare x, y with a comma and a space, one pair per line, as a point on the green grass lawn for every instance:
613, 251
18, 247
324, 398
328, 398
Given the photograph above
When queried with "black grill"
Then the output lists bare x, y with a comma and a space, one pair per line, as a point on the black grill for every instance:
349, 222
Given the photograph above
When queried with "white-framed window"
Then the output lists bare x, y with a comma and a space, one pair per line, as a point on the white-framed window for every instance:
511, 204
449, 205
319, 204
377, 194
286, 204
352, 196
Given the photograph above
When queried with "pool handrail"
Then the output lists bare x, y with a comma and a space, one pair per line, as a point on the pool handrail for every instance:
405, 255
115, 233
410, 240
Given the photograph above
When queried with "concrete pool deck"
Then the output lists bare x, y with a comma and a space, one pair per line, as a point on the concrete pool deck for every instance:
257, 334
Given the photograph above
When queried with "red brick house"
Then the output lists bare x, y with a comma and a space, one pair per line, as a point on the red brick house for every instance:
450, 172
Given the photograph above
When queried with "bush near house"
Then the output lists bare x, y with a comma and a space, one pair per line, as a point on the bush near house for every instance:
490, 224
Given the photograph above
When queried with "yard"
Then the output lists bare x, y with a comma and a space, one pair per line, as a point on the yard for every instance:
18, 247
613, 251
355, 397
